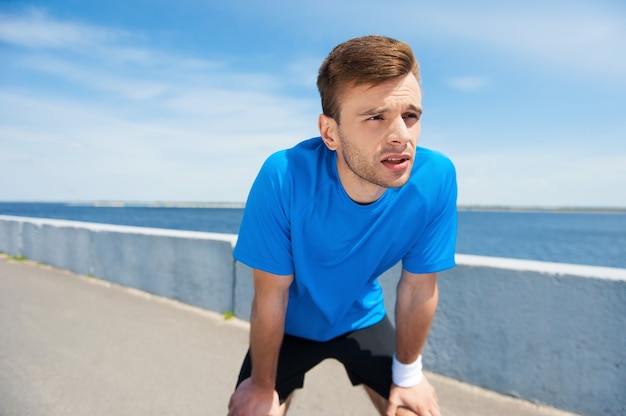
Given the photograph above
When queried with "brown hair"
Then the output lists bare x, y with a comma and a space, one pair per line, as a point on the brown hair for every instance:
365, 60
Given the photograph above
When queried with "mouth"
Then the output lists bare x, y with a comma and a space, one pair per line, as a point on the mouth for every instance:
396, 163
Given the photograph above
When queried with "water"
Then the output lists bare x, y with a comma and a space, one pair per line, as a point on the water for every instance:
597, 239
216, 220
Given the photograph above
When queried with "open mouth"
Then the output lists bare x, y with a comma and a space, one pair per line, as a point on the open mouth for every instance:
396, 160
396, 163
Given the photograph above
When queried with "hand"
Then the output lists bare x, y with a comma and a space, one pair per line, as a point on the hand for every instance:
420, 399
252, 400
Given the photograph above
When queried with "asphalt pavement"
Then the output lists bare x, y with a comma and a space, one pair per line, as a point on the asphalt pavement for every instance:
74, 345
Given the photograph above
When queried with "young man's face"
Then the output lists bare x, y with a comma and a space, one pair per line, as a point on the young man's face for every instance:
377, 135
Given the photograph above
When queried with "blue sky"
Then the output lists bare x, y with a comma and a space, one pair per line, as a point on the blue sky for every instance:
182, 100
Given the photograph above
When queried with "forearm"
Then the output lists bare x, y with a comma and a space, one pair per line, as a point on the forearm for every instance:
267, 323
416, 303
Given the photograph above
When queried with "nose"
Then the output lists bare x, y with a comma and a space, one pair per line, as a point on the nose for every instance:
399, 132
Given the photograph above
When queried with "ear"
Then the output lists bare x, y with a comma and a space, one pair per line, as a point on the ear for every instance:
328, 130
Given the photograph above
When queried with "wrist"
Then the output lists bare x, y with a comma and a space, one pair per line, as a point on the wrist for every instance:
263, 383
406, 375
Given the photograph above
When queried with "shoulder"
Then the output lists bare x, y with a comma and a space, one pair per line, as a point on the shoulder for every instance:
306, 152
293, 173
432, 168
301, 163
433, 179
428, 159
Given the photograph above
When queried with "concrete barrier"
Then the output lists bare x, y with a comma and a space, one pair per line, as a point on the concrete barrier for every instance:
545, 332
192, 267
10, 235
532, 330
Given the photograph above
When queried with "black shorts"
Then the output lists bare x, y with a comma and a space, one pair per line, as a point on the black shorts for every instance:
366, 354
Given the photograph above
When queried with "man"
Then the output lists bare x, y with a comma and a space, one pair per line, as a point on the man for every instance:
326, 218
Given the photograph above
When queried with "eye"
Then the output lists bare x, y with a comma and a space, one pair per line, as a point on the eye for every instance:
412, 118
376, 117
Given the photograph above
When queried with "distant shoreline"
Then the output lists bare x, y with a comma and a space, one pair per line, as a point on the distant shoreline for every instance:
218, 204
164, 204
602, 210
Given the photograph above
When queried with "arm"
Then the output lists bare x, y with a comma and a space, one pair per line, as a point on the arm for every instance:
416, 303
267, 325
256, 395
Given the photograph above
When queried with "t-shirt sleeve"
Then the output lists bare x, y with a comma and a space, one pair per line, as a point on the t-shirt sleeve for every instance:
264, 240
434, 250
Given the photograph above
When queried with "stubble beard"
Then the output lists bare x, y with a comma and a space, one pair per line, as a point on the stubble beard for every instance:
368, 170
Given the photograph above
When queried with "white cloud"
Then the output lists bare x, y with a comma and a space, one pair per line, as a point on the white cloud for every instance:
121, 120
141, 125
467, 83
580, 38
91, 150
94, 77
34, 29
537, 176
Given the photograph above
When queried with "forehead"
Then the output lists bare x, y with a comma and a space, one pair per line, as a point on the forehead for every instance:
396, 93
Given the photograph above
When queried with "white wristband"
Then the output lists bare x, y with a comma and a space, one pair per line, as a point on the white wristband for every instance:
406, 375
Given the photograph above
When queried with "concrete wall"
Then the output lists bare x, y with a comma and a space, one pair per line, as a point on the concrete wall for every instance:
195, 268
556, 338
545, 332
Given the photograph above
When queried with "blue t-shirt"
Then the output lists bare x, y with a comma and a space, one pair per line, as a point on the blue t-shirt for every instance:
299, 220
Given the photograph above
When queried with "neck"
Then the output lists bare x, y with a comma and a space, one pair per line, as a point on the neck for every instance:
358, 189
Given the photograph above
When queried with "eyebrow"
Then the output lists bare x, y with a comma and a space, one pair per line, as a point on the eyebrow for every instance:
382, 110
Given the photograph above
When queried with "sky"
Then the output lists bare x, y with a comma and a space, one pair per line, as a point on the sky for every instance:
182, 100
